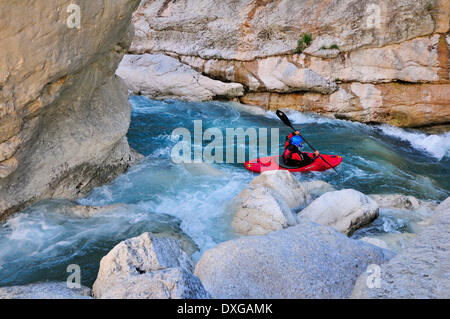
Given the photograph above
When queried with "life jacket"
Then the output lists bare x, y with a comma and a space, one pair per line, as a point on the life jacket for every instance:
293, 156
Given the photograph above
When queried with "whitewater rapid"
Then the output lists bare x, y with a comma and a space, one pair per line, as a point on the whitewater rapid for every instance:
163, 197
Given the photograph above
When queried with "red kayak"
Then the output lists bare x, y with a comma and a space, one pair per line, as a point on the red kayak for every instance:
271, 163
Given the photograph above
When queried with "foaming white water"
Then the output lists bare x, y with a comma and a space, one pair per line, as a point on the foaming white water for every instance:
41, 242
436, 145
198, 196
302, 118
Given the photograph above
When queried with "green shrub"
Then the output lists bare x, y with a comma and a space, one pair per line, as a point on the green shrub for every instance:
307, 38
303, 43
300, 46
333, 46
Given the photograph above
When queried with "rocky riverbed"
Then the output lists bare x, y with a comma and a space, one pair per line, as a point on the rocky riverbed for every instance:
299, 253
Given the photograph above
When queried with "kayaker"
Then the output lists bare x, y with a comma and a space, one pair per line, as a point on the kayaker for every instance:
293, 156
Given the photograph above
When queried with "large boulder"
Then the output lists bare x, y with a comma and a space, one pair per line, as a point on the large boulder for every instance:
163, 77
346, 210
420, 270
147, 267
261, 211
286, 185
269, 203
46, 290
304, 261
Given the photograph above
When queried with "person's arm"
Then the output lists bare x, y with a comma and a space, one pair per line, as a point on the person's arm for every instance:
316, 154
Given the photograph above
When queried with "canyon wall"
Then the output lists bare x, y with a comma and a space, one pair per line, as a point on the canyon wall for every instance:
63, 112
384, 61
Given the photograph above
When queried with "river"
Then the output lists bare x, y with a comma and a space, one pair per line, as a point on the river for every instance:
163, 197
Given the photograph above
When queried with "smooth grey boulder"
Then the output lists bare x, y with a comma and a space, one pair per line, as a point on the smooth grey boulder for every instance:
269, 203
260, 211
45, 290
286, 185
170, 283
304, 261
147, 267
421, 270
346, 210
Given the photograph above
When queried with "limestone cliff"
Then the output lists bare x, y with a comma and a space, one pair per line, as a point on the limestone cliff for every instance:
378, 61
63, 113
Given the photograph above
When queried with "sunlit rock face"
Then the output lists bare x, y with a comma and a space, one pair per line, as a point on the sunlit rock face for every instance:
384, 62
163, 77
63, 112
245, 30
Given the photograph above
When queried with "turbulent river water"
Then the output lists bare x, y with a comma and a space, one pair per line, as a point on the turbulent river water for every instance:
160, 196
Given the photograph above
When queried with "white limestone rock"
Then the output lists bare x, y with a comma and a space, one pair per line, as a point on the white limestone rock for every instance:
346, 210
